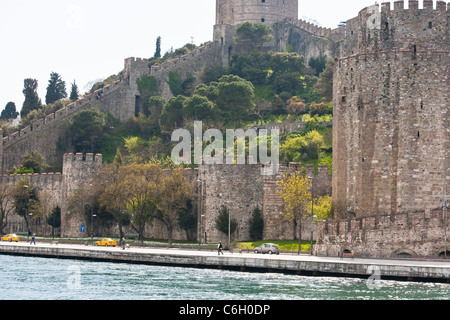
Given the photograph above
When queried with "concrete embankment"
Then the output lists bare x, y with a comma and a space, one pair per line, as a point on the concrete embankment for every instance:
430, 271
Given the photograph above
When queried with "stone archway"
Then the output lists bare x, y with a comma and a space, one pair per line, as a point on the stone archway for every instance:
403, 253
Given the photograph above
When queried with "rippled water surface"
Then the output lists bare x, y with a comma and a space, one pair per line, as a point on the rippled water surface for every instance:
27, 278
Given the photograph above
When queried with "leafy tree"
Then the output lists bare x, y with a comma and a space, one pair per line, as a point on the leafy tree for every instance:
175, 191
302, 148
198, 108
36, 162
222, 221
148, 87
295, 106
318, 64
6, 205
110, 185
323, 207
172, 113
26, 201
86, 130
32, 101
142, 186
56, 89
74, 93
295, 190
175, 82
235, 96
253, 35
54, 219
256, 225
187, 219
324, 84
155, 108
9, 112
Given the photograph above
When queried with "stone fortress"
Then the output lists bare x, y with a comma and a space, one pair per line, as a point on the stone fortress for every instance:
391, 130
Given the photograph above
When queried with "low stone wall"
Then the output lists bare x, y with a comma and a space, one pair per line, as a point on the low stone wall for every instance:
414, 233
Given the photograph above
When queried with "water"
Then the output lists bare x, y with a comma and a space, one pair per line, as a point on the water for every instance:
26, 278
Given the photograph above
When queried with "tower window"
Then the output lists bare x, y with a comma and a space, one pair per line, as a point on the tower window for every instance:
263, 20
263, 1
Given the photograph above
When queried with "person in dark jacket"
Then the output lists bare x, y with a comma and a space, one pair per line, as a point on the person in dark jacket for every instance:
219, 248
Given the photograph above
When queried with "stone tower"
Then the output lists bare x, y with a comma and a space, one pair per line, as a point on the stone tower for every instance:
391, 148
230, 13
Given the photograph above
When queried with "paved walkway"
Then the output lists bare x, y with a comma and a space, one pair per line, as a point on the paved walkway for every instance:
288, 257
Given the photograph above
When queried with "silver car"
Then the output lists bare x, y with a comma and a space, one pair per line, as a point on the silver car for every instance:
269, 248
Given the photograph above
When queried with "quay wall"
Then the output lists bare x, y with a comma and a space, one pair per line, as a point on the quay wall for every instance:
299, 266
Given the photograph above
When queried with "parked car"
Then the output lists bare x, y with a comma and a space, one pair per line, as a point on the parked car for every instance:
106, 242
269, 248
11, 237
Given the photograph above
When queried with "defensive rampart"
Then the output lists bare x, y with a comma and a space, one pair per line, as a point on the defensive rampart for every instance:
413, 234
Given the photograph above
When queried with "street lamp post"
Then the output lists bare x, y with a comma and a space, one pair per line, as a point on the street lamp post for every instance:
445, 202
201, 214
312, 213
92, 225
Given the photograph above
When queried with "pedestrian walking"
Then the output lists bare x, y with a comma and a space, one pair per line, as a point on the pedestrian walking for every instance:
219, 248
33, 239
123, 244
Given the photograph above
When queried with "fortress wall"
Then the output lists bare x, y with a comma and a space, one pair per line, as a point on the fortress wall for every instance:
48, 186
391, 112
416, 233
44, 133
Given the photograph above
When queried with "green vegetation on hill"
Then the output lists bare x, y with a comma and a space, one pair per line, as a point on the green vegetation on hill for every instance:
258, 87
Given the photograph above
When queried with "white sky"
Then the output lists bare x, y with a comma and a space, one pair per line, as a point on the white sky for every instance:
88, 40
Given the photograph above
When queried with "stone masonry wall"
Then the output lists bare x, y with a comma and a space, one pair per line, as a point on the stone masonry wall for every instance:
391, 112
416, 233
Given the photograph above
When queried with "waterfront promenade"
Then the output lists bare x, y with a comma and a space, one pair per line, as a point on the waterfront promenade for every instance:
400, 269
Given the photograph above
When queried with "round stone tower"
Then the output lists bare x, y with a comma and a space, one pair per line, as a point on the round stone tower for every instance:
234, 12
391, 147
230, 13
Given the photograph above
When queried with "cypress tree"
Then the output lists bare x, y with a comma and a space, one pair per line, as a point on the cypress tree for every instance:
56, 89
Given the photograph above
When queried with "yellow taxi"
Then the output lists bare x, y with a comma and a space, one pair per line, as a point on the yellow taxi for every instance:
106, 242
10, 237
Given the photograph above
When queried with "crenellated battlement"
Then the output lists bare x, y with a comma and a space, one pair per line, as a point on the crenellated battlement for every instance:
80, 157
417, 233
62, 114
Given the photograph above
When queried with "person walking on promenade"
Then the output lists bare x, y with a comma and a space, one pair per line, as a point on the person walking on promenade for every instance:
33, 239
219, 248
123, 243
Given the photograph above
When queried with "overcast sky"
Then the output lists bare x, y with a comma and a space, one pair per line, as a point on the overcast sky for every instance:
88, 40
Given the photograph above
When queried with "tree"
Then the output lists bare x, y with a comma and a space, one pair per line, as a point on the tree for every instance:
54, 219
110, 183
6, 205
9, 112
295, 190
253, 35
175, 191
223, 220
26, 201
74, 94
235, 96
172, 113
187, 219
36, 162
32, 101
296, 106
56, 89
256, 225
142, 187
158, 48
86, 130
198, 108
